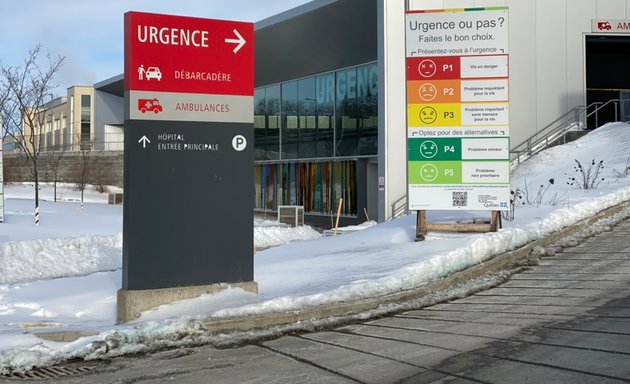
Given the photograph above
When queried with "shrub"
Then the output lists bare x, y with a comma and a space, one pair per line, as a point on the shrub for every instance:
624, 172
101, 188
586, 178
523, 197
516, 197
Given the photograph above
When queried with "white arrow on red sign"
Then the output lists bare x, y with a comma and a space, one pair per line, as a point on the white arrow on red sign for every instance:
239, 40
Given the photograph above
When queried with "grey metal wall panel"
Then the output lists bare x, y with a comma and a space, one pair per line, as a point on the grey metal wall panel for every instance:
108, 109
337, 35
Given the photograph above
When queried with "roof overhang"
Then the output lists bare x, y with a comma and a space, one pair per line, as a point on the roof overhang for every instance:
113, 85
317, 37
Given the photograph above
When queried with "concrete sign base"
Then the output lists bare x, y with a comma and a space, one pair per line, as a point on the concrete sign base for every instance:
132, 303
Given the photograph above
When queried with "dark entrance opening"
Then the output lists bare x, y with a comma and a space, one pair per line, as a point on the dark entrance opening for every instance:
607, 76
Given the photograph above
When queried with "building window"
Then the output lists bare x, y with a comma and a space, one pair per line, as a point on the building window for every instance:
72, 126
65, 137
307, 105
346, 113
325, 96
325, 116
367, 103
267, 123
86, 125
57, 131
317, 186
260, 124
272, 150
320, 117
265, 183
289, 140
49, 135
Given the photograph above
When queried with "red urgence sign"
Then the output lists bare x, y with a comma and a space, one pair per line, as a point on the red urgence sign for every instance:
165, 53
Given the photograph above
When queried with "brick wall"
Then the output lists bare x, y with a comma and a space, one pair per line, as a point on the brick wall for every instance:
103, 167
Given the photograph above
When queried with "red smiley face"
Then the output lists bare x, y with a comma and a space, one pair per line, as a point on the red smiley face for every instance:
427, 68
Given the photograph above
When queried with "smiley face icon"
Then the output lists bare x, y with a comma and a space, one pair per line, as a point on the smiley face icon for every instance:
428, 149
428, 172
427, 68
428, 115
427, 92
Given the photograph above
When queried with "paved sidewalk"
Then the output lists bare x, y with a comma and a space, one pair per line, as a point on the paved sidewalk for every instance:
566, 320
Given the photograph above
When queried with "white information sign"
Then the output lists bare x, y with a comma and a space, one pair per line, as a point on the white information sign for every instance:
458, 109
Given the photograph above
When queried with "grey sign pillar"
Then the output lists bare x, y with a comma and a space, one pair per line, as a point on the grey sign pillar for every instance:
188, 206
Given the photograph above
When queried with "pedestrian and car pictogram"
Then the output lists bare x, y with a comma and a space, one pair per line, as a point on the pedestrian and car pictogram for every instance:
149, 73
154, 73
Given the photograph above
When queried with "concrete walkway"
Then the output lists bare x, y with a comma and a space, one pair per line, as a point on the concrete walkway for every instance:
566, 320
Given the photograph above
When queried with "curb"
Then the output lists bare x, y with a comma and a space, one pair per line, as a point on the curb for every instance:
344, 312
507, 261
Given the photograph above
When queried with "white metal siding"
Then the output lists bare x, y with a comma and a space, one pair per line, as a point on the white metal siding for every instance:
611, 9
579, 15
546, 54
551, 61
392, 107
547, 63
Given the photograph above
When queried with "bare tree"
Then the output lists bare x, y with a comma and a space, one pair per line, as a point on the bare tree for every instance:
85, 150
99, 171
6, 107
56, 153
24, 108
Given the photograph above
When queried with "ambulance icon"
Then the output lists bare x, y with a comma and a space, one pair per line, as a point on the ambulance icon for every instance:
149, 105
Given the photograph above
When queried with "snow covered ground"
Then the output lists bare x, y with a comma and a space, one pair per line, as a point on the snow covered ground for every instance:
64, 274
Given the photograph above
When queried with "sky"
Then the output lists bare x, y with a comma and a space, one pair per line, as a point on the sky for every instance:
64, 274
89, 34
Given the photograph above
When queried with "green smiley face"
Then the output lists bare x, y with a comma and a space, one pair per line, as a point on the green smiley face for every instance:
429, 172
428, 149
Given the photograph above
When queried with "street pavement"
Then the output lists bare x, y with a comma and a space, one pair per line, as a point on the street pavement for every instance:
565, 320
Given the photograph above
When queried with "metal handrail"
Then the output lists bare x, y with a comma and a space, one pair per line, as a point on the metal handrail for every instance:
532, 141
613, 101
399, 208
558, 128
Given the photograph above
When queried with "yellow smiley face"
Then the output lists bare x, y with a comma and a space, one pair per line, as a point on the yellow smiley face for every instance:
428, 115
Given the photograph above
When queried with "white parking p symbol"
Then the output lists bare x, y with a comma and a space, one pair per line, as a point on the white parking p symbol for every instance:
239, 143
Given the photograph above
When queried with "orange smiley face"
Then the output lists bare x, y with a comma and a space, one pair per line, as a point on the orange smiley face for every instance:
427, 92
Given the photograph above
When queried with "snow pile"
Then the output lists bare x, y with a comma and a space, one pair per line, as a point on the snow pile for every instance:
315, 270
270, 236
46, 259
